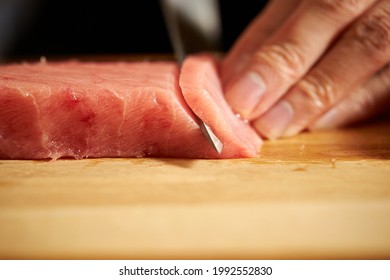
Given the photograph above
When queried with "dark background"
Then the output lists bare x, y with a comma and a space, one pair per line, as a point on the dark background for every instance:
110, 27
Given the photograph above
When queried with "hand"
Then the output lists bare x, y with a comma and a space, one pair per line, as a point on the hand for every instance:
310, 64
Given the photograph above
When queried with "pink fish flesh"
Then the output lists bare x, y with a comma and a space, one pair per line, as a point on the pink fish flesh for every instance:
117, 109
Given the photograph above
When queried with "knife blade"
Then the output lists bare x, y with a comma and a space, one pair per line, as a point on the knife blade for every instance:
194, 26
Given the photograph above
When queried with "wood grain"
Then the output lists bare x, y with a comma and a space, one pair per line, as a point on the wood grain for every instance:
318, 195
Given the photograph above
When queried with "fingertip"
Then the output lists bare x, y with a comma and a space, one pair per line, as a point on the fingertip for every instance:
276, 121
233, 65
328, 120
244, 93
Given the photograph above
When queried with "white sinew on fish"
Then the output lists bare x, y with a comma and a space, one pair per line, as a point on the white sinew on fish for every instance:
117, 109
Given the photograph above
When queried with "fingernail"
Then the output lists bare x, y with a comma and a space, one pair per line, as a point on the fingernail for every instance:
245, 94
329, 120
275, 122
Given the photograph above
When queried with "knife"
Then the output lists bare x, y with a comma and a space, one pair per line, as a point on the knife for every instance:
194, 26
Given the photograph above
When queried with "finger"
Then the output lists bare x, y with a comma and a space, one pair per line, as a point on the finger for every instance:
366, 102
290, 53
362, 52
257, 32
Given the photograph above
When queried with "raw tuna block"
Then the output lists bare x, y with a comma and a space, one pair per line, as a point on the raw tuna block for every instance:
117, 109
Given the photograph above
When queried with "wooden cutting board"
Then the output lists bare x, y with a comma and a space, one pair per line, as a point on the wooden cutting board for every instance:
319, 195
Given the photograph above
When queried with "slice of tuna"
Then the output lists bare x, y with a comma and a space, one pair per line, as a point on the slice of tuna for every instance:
201, 87
72, 109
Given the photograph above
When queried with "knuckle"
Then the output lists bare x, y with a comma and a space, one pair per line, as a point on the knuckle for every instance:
319, 88
373, 33
342, 6
286, 59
